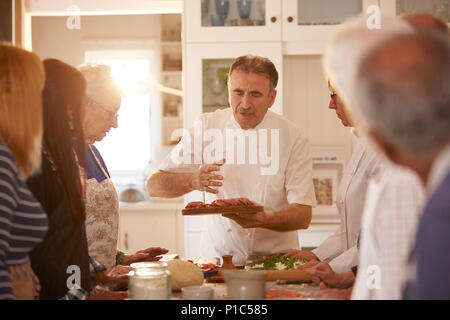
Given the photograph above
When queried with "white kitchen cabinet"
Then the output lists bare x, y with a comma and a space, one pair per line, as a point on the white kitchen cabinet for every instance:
144, 225
206, 67
303, 25
220, 21
438, 8
171, 77
308, 24
193, 233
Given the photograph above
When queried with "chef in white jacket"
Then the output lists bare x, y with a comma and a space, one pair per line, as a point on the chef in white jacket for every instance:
340, 250
270, 164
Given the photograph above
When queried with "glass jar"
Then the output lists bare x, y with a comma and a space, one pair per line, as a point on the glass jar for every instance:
149, 281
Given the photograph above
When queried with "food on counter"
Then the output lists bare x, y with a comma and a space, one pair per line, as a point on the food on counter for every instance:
196, 204
184, 273
283, 293
220, 203
208, 267
232, 202
222, 206
216, 279
278, 262
119, 271
168, 257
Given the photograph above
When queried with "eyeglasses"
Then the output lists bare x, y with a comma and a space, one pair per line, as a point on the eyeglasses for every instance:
112, 116
333, 96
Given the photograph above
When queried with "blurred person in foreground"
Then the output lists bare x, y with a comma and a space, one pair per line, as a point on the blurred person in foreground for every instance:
406, 106
23, 222
393, 206
394, 202
394, 211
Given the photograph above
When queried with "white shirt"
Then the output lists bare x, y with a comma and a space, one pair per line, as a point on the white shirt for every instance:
391, 215
287, 179
340, 250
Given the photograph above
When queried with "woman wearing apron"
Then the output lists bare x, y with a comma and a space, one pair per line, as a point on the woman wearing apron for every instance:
102, 203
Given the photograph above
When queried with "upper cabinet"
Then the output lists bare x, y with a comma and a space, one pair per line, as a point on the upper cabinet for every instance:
308, 24
313, 20
232, 20
438, 8
267, 20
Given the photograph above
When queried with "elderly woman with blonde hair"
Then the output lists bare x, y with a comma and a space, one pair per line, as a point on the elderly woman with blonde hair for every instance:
23, 222
102, 204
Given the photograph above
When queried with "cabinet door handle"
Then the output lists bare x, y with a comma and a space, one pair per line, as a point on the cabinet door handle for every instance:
273, 19
290, 19
125, 241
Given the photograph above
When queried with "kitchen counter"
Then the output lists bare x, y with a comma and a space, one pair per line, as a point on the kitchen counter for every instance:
220, 290
148, 224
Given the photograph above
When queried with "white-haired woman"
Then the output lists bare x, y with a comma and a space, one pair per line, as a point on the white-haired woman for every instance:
102, 203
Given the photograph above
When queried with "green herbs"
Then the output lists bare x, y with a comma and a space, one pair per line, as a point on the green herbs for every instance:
277, 261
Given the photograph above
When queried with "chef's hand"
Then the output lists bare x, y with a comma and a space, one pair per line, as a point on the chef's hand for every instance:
205, 178
333, 294
115, 278
309, 264
322, 272
302, 254
149, 254
248, 220
109, 295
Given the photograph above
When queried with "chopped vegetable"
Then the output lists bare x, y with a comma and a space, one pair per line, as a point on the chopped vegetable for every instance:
279, 262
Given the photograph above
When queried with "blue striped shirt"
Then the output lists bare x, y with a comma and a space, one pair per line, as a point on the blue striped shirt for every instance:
23, 222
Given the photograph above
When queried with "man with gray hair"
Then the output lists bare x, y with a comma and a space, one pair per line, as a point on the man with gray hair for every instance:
404, 95
287, 193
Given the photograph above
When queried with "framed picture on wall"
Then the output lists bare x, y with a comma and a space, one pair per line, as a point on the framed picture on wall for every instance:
325, 186
326, 179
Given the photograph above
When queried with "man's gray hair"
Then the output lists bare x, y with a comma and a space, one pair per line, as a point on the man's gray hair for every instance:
403, 91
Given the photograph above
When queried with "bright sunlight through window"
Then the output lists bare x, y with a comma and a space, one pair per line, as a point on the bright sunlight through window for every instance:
126, 149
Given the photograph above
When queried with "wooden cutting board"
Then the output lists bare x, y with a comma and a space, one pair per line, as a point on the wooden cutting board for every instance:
220, 210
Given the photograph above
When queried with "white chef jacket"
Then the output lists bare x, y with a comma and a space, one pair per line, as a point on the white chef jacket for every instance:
291, 183
340, 249
389, 223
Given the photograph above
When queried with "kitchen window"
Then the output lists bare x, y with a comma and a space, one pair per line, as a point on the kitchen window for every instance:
127, 149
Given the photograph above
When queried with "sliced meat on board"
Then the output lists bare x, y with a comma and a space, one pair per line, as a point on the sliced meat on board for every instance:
221, 203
